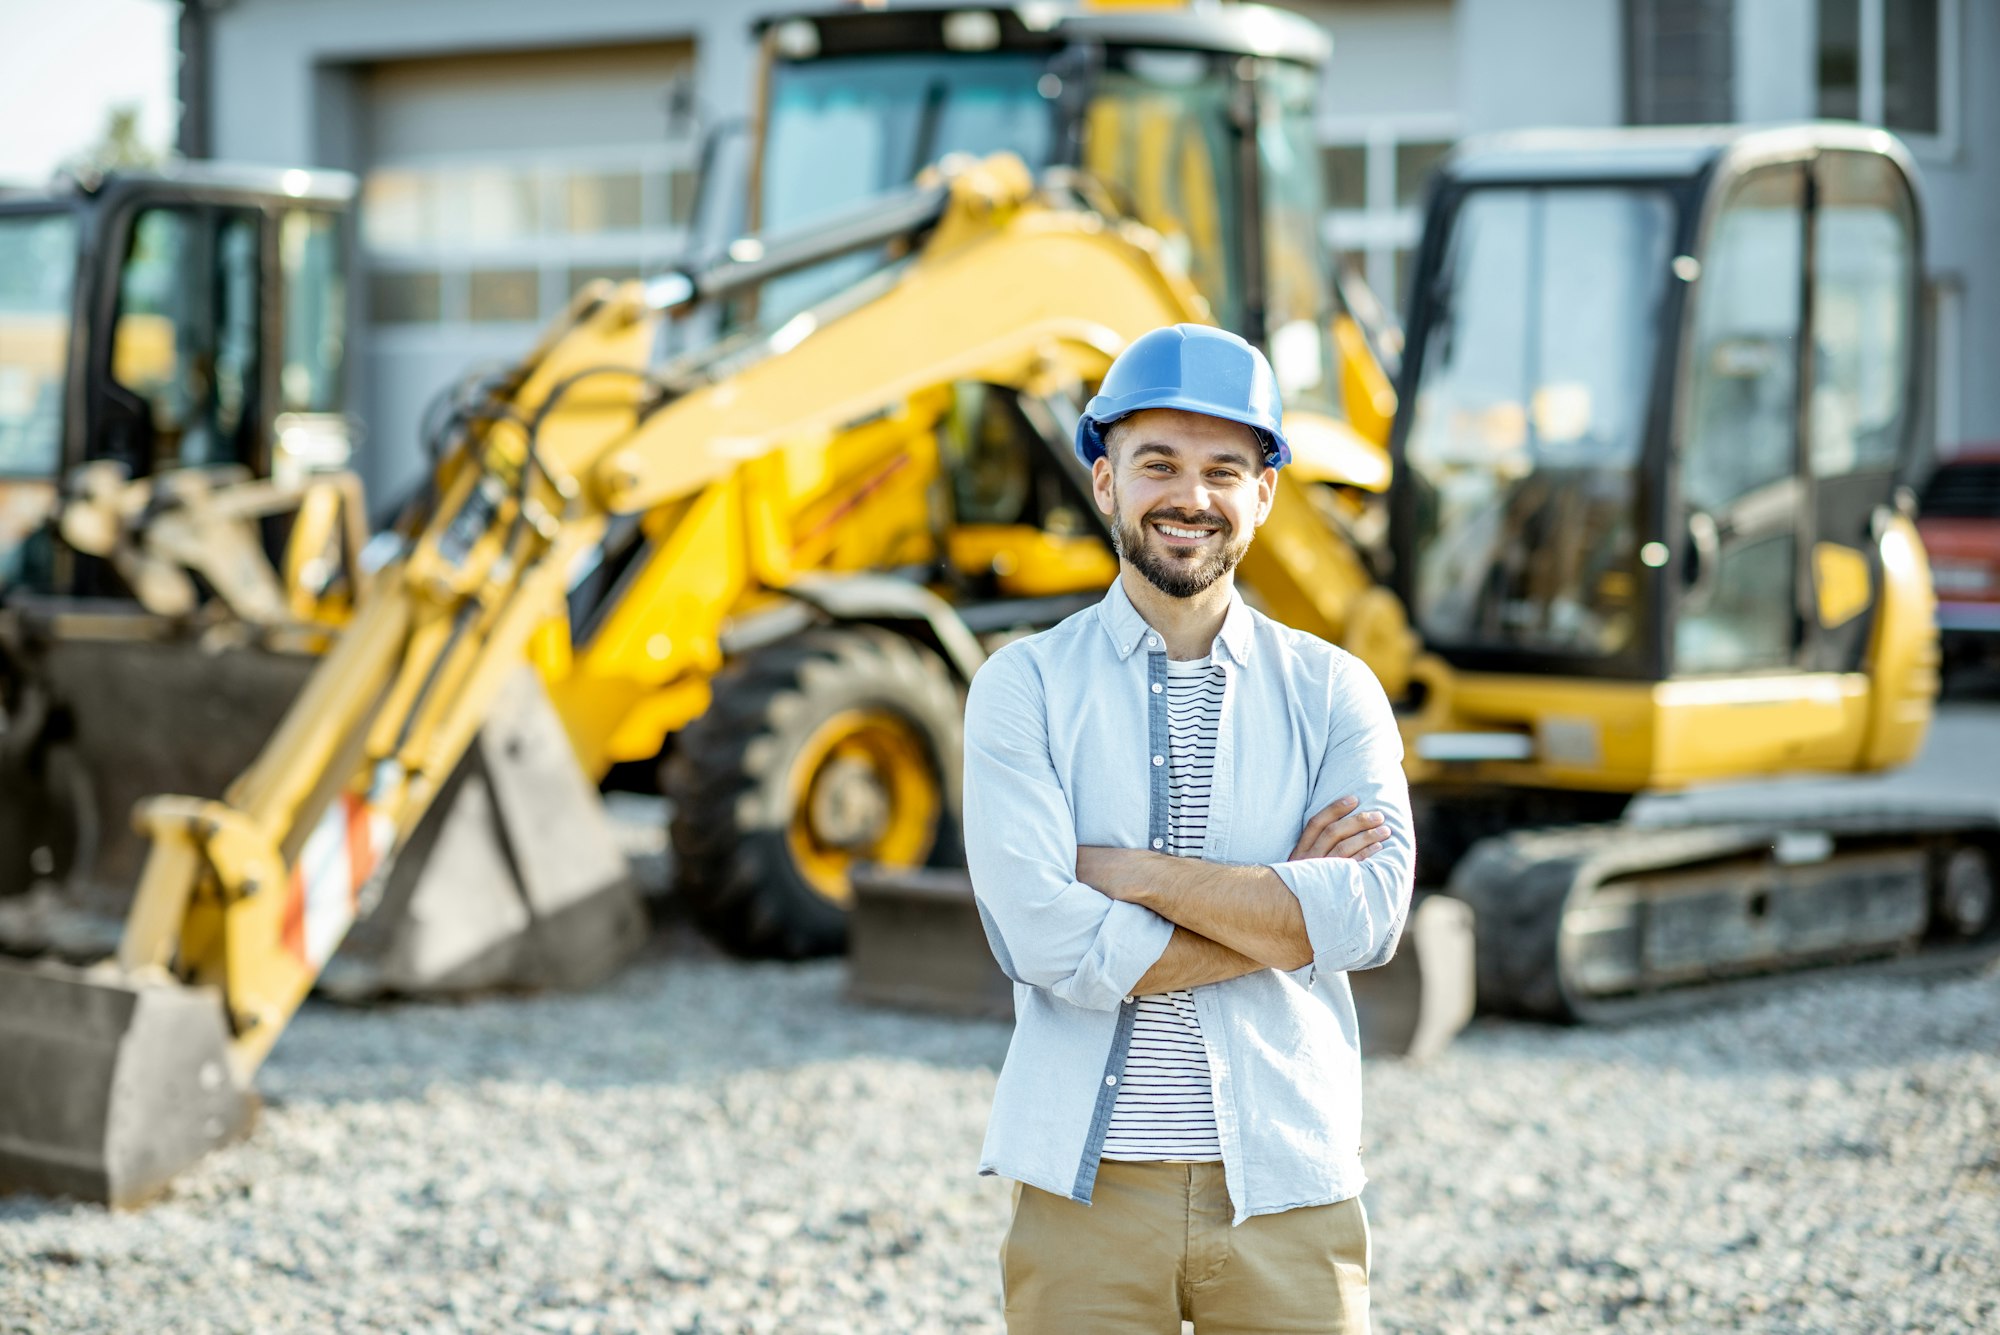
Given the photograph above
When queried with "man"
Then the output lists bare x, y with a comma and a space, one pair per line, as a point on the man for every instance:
1185, 822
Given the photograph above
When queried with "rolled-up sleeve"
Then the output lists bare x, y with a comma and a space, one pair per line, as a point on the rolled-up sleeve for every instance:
1047, 929
1355, 911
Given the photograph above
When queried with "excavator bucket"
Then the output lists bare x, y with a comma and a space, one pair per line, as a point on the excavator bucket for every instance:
513, 879
111, 1087
111, 1082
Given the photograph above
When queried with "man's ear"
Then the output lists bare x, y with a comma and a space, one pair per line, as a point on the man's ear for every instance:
1267, 492
1101, 486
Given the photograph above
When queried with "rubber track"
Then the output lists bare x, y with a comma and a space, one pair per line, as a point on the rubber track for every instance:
1520, 884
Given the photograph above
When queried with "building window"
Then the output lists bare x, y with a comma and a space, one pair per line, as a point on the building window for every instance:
498, 295
1892, 64
405, 297
1376, 174
1679, 61
1346, 167
603, 202
1414, 162
459, 242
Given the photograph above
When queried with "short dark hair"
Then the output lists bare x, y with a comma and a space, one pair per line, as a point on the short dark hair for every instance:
1114, 429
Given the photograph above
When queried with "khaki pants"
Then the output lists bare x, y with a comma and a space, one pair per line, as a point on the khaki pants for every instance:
1155, 1248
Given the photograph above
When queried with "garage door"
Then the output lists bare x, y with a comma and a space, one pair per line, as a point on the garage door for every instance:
494, 186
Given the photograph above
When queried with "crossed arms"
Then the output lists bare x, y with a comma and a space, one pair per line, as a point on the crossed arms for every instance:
1228, 920
1093, 925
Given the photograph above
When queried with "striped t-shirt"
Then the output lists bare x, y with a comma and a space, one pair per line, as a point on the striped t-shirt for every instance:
1166, 1107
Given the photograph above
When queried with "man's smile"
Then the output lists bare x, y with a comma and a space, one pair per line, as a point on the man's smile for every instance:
1183, 535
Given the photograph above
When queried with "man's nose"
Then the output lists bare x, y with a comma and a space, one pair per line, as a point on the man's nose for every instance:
1191, 492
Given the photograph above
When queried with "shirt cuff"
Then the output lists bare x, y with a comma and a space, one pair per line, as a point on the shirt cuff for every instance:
1130, 942
1323, 926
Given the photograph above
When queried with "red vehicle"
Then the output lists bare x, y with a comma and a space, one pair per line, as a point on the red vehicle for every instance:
1959, 518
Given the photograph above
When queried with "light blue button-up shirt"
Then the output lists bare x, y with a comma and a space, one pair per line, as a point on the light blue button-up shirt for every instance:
1065, 735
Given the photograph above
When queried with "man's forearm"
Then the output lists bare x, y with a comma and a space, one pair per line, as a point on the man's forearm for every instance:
1248, 910
1192, 960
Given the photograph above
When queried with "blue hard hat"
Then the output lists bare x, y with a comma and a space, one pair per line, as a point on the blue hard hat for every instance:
1198, 369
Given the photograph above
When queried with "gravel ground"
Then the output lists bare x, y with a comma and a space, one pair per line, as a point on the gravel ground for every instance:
711, 1146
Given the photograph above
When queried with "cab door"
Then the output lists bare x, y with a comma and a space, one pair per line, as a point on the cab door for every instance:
1743, 496
181, 380
1742, 699
1862, 382
1799, 379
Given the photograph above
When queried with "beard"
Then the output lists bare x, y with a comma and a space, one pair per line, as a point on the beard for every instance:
1173, 571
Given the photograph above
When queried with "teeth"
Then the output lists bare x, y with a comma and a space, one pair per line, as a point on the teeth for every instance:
1184, 532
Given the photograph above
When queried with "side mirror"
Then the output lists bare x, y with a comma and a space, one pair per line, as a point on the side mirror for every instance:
1701, 559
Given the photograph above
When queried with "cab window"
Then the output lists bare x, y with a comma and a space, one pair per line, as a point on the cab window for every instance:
37, 275
184, 346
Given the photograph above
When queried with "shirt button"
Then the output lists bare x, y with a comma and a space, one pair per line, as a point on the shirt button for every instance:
1128, 1001
1110, 1079
1152, 641
1159, 760
1159, 843
1157, 688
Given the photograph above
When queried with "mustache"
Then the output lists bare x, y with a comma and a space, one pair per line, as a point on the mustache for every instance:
1189, 519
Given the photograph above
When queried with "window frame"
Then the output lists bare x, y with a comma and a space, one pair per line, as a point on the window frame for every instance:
1382, 231
1944, 145
551, 248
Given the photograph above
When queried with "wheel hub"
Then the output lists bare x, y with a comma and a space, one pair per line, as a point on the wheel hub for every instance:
850, 804
863, 791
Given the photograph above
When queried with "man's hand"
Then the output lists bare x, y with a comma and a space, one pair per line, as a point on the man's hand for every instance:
1340, 831
1245, 913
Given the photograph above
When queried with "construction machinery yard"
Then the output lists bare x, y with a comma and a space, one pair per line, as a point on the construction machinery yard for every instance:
1629, 542
1615, 557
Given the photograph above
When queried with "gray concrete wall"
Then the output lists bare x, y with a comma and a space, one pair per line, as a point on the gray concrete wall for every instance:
268, 54
1962, 195
1540, 62
1774, 60
1391, 58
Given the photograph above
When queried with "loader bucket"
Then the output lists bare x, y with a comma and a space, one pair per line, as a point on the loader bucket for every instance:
145, 711
109, 1087
513, 880
1414, 1005
914, 940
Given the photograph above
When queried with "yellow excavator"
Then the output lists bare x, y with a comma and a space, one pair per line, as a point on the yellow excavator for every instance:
786, 548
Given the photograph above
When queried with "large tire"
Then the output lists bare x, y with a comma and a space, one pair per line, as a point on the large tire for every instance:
834, 747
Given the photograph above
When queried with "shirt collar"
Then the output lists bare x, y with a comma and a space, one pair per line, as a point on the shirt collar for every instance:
1128, 630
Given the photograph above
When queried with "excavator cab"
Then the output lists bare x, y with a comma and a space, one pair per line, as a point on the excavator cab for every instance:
1663, 401
1664, 391
159, 321
172, 387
